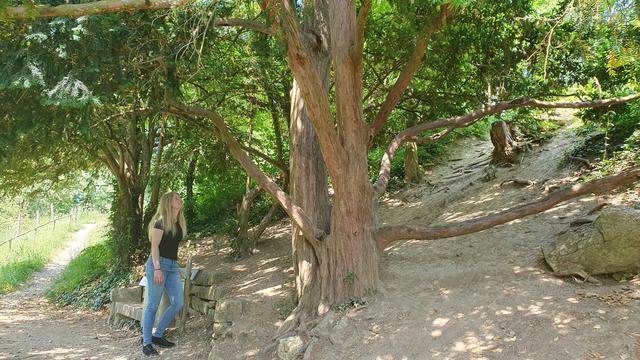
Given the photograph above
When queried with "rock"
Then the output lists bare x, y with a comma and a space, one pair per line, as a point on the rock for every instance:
208, 278
325, 325
289, 348
222, 331
228, 310
207, 292
375, 328
609, 245
127, 295
202, 306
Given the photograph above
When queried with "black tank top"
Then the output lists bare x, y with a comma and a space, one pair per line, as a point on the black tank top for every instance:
170, 241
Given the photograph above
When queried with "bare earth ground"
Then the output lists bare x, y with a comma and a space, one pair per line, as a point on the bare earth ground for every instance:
487, 295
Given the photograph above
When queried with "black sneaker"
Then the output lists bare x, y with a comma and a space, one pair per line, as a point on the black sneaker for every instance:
162, 342
149, 350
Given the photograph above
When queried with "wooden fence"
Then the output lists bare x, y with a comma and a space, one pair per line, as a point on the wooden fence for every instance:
74, 214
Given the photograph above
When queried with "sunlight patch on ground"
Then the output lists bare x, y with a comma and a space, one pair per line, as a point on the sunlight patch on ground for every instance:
440, 322
270, 291
240, 268
506, 311
247, 284
266, 261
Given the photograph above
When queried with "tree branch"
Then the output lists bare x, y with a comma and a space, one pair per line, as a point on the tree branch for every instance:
361, 22
277, 163
247, 24
311, 232
470, 118
407, 73
90, 8
387, 234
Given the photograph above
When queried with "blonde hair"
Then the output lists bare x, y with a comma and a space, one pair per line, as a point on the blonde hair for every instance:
164, 213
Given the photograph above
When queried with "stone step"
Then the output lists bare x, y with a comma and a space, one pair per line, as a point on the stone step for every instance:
130, 310
202, 306
207, 292
208, 278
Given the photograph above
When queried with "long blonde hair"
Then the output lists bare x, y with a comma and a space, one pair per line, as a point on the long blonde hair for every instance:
164, 214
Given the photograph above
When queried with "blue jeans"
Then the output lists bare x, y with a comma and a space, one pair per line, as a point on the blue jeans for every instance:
173, 286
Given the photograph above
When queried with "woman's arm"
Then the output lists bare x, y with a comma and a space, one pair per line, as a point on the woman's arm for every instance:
156, 237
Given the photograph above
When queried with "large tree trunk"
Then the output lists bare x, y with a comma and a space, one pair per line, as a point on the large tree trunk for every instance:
309, 189
308, 184
352, 258
127, 226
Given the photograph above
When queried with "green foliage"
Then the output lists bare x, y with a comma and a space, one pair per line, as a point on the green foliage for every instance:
16, 272
348, 304
625, 156
533, 125
350, 278
284, 308
618, 127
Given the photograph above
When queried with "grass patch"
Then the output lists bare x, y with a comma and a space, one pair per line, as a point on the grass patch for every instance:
14, 273
32, 251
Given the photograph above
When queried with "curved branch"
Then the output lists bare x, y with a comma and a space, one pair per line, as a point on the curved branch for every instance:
468, 119
407, 73
311, 232
90, 8
387, 234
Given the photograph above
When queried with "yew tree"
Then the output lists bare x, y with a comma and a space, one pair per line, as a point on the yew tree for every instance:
338, 241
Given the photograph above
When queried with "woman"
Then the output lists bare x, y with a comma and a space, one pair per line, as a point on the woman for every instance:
166, 230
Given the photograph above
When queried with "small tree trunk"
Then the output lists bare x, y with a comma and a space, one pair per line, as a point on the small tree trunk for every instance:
189, 202
156, 183
505, 150
242, 244
412, 168
257, 232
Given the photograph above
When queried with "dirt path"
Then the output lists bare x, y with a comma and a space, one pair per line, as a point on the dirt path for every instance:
30, 328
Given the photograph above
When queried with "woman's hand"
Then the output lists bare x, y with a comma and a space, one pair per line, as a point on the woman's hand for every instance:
158, 277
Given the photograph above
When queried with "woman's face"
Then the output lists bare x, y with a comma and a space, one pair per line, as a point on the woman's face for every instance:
176, 202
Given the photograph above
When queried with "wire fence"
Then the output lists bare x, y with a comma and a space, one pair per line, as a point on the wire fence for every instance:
73, 215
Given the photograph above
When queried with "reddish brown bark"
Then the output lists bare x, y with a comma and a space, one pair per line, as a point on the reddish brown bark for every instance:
387, 234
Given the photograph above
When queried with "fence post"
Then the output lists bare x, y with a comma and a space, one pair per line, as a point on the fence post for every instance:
18, 225
52, 216
35, 232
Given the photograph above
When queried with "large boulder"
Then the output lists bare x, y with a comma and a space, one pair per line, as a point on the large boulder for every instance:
611, 244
